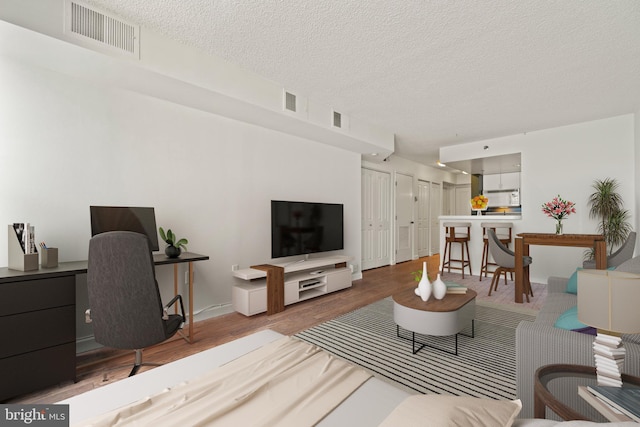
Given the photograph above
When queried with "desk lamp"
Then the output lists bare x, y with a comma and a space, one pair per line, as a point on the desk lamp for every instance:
608, 301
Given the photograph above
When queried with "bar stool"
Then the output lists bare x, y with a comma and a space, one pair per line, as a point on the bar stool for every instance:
461, 237
503, 232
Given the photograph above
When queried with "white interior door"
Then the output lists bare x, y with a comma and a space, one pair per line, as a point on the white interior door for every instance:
404, 217
376, 221
424, 226
435, 210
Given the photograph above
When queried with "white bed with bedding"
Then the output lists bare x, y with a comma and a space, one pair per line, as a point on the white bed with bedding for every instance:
368, 405
215, 382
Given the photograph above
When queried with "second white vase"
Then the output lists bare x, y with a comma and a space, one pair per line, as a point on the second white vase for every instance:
439, 288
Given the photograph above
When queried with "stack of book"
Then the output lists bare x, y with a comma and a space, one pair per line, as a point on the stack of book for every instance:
454, 288
609, 358
625, 400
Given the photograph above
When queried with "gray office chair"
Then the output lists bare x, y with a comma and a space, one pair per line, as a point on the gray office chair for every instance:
506, 261
125, 305
622, 254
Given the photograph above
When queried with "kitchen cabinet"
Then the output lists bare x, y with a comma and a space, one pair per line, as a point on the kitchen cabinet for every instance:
503, 181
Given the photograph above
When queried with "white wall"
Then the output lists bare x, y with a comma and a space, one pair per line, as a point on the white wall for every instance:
636, 177
566, 161
67, 143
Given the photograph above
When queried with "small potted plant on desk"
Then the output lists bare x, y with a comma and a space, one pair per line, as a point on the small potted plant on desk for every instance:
174, 246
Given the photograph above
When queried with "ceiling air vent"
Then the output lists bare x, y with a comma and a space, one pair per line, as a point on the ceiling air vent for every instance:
289, 101
101, 30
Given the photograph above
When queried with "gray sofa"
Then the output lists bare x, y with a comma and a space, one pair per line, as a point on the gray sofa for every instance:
539, 343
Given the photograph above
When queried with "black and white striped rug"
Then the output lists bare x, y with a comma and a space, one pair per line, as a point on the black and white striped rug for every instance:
484, 367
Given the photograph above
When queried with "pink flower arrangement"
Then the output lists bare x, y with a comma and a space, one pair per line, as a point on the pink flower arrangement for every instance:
558, 208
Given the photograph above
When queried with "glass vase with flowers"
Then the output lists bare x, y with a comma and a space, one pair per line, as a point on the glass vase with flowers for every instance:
558, 209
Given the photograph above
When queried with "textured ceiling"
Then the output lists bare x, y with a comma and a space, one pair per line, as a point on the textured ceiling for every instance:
434, 73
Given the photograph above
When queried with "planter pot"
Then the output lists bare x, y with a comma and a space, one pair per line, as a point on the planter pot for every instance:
172, 251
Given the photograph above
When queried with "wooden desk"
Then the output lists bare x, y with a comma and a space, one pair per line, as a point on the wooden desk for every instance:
523, 240
188, 257
38, 320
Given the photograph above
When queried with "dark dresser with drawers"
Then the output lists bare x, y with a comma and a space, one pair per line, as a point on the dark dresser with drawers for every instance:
37, 324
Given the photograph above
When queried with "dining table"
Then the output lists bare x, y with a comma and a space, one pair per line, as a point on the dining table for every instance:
523, 240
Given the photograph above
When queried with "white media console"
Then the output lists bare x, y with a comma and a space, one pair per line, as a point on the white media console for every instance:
302, 280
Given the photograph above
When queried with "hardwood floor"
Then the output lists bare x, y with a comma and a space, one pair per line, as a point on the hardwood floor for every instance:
93, 367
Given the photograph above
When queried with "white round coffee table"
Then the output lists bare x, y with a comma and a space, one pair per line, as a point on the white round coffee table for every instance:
444, 317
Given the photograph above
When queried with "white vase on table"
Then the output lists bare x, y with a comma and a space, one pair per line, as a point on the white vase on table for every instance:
439, 288
424, 287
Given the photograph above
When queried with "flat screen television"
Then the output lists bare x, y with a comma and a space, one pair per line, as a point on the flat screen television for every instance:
300, 228
122, 218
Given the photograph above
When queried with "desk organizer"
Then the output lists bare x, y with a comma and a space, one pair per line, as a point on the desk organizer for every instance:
18, 260
49, 257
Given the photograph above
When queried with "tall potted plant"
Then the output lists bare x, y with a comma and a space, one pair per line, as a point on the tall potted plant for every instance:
606, 205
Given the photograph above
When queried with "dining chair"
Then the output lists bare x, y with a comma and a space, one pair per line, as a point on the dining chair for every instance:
506, 261
622, 254
503, 231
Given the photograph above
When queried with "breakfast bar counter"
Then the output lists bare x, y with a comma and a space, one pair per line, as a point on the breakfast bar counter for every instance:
476, 243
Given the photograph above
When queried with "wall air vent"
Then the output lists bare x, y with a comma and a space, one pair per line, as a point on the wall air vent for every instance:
337, 119
100, 31
294, 105
290, 101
